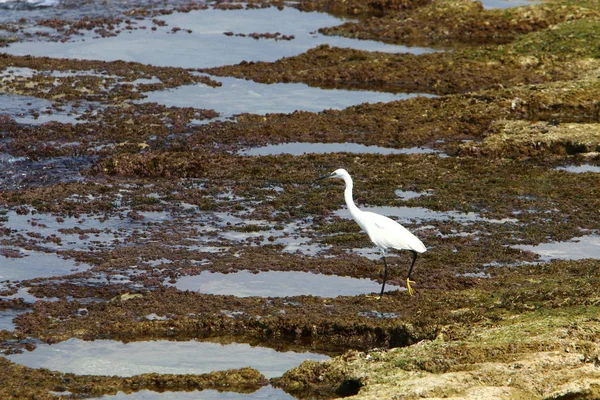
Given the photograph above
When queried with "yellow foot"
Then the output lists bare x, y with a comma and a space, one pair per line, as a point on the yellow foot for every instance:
410, 289
377, 297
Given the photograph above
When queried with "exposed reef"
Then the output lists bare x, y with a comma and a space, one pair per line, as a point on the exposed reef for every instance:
142, 195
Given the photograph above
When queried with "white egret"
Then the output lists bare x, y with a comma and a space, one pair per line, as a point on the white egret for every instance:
384, 232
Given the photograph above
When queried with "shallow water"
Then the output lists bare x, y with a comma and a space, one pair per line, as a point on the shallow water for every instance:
579, 169
23, 293
277, 284
34, 111
34, 10
298, 148
35, 264
419, 214
409, 194
207, 45
27, 4
577, 248
82, 233
16, 172
51, 5
207, 232
6, 319
491, 4
109, 357
237, 96
231, 228
265, 393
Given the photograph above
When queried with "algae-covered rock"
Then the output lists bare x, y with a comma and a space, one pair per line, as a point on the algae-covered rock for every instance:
582, 390
20, 382
532, 356
448, 22
502, 113
529, 139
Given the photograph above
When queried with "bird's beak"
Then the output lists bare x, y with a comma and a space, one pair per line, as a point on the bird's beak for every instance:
323, 177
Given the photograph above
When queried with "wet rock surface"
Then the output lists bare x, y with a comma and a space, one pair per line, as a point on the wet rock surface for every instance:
460, 23
132, 196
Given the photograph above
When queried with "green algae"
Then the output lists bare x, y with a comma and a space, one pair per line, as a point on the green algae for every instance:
529, 331
39, 383
544, 55
113, 84
568, 40
357, 7
338, 322
458, 184
453, 72
525, 139
451, 23
489, 355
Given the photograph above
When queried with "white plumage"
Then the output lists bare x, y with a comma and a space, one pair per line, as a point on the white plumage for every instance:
384, 232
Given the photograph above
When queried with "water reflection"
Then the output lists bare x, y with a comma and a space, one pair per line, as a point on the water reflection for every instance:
277, 284
265, 393
207, 45
25, 264
491, 4
16, 172
6, 319
237, 96
109, 357
577, 248
85, 232
23, 293
579, 169
419, 214
36, 111
298, 149
27, 4
410, 194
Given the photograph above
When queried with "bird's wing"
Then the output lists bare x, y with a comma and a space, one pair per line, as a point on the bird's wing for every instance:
388, 233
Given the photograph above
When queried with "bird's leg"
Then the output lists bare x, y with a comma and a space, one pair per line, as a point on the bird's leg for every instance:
385, 272
408, 280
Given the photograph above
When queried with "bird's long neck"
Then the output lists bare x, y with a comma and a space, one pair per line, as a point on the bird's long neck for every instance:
354, 211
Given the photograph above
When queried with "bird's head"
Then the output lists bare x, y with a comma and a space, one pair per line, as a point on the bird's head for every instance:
338, 173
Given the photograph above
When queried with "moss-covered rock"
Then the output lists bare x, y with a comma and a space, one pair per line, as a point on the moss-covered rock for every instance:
532, 356
527, 139
451, 22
